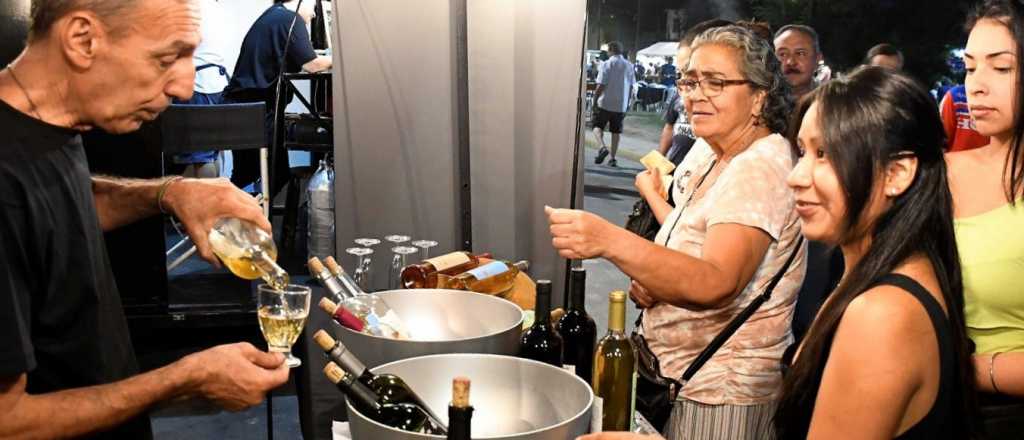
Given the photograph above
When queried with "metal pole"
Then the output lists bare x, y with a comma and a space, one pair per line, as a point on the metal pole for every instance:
461, 45
577, 155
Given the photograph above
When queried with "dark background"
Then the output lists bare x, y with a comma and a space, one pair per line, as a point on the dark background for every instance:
925, 30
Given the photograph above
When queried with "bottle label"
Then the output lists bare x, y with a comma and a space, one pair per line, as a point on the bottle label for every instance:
448, 261
597, 414
570, 368
489, 270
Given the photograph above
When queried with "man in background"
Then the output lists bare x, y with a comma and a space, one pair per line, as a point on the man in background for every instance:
798, 50
210, 80
885, 55
615, 80
256, 75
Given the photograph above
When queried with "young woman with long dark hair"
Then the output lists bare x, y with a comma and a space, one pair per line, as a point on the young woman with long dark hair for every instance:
987, 184
887, 355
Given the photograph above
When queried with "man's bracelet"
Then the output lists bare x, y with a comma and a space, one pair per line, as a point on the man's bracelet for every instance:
992, 371
163, 190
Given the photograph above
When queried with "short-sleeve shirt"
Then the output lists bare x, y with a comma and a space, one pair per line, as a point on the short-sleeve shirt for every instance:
212, 48
751, 191
259, 59
682, 133
617, 76
61, 319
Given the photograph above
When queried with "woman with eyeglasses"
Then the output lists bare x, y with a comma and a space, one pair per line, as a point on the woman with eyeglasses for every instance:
988, 190
887, 356
731, 231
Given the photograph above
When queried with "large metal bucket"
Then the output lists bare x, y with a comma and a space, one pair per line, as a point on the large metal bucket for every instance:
513, 398
440, 321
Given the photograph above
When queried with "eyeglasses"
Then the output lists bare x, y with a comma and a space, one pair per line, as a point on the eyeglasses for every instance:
710, 87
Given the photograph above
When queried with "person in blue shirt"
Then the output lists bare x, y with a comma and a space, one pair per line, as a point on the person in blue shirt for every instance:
256, 73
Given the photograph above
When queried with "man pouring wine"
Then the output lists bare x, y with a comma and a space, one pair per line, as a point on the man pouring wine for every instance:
67, 367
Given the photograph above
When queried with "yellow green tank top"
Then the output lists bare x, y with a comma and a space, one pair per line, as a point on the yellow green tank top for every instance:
991, 247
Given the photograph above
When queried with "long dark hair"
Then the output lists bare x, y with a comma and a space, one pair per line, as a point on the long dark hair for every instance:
1011, 14
867, 118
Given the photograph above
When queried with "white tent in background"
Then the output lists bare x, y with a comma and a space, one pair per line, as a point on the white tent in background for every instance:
660, 50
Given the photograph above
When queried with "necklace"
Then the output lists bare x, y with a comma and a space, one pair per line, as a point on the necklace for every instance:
32, 104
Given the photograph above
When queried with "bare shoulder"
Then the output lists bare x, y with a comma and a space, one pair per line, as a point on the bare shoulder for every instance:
885, 309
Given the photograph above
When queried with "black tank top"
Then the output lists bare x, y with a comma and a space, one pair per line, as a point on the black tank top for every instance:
938, 423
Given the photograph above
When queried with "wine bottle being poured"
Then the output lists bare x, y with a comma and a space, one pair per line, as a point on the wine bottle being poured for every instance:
248, 251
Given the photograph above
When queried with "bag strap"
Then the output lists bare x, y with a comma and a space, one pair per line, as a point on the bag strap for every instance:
736, 322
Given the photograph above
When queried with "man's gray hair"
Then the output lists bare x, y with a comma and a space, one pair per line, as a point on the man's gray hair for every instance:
46, 12
757, 64
803, 29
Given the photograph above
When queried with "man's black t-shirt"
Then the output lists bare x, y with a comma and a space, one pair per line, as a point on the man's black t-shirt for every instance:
259, 59
61, 320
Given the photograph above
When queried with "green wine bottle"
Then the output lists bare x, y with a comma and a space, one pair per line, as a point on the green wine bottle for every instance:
614, 367
404, 416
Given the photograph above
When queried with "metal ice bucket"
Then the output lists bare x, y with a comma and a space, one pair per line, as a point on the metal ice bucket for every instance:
513, 398
440, 321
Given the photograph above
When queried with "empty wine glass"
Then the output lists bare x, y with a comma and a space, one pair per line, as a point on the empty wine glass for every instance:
282, 314
397, 239
425, 245
397, 263
363, 261
367, 242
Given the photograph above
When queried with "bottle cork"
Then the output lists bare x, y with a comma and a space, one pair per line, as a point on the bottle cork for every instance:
344, 316
315, 266
324, 340
334, 373
328, 306
333, 265
460, 392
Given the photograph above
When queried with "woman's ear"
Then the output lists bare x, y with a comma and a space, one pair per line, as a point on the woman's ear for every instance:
899, 174
757, 111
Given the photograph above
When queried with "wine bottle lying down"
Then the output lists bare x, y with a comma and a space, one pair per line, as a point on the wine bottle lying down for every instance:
388, 387
377, 317
404, 416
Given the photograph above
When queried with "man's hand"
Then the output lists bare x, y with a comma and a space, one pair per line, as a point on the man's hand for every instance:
237, 376
579, 234
199, 203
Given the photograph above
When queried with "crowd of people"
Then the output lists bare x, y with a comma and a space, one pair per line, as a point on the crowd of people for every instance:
922, 337
67, 364
923, 334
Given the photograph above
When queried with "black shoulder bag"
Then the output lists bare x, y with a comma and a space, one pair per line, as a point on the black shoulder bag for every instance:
655, 394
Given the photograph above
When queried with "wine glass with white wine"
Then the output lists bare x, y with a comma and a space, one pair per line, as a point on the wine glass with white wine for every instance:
282, 314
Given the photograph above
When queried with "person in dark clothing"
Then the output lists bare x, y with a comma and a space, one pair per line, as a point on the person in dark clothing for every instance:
256, 74
67, 367
874, 183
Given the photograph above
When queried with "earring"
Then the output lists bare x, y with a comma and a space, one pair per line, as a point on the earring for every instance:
892, 192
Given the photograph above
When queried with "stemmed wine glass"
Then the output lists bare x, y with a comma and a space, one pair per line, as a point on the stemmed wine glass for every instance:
282, 315
397, 263
425, 245
363, 261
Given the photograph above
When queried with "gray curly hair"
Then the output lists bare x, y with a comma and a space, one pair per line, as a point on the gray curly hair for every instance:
759, 65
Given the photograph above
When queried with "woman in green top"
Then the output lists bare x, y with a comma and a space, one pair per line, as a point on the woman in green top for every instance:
986, 184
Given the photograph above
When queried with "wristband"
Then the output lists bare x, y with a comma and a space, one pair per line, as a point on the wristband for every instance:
992, 372
163, 191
